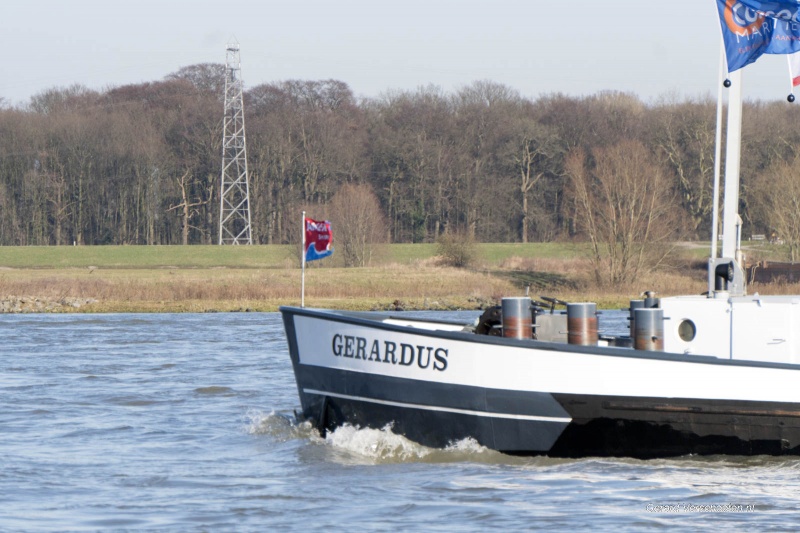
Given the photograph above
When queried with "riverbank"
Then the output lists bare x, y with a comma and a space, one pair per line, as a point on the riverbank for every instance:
262, 278
390, 287
222, 289
35, 304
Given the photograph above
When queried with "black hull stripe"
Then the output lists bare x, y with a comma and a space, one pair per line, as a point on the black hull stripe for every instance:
663, 427
438, 408
445, 398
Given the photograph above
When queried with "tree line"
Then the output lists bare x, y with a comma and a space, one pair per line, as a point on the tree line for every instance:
140, 164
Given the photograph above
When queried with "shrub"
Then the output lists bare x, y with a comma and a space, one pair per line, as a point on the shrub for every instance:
458, 250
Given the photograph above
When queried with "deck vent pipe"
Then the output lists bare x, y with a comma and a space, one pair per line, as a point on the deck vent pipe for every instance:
517, 319
582, 323
649, 332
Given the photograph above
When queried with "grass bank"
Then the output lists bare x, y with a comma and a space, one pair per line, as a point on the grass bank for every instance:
262, 278
272, 256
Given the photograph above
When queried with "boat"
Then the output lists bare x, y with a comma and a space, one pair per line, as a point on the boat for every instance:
439, 382
716, 373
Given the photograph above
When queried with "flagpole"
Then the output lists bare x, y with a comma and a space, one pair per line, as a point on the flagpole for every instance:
717, 155
733, 140
303, 262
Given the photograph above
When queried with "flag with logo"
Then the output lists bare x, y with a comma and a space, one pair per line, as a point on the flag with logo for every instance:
318, 239
751, 28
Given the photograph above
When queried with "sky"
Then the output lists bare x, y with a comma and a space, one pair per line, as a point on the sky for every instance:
652, 49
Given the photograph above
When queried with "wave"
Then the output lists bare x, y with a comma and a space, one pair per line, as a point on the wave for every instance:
356, 445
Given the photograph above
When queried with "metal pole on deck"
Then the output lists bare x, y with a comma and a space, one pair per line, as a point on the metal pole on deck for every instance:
717, 155
730, 205
303, 263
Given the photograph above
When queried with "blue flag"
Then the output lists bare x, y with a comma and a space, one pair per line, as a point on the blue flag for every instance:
751, 28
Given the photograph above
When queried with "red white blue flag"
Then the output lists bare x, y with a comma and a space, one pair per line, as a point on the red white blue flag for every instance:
794, 69
319, 239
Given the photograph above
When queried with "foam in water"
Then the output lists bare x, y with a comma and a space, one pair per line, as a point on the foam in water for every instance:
376, 444
367, 445
280, 426
385, 446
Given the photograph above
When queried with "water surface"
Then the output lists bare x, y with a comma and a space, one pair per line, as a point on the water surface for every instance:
185, 423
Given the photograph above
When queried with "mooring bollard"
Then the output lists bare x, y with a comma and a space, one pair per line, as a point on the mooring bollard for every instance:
649, 332
635, 304
517, 318
582, 323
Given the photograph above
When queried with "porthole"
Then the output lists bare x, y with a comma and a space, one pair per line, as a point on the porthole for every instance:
687, 330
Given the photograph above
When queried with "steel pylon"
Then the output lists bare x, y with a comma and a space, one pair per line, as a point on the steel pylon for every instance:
234, 212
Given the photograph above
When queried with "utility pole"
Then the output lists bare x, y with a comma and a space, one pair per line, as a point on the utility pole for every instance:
234, 197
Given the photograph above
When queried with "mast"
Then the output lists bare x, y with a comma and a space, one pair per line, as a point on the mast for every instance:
726, 273
717, 156
730, 204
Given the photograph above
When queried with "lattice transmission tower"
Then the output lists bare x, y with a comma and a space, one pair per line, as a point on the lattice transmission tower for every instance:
234, 211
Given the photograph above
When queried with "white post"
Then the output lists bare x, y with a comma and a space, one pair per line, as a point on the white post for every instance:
730, 210
717, 155
303, 262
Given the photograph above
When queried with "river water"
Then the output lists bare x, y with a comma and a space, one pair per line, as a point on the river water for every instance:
183, 422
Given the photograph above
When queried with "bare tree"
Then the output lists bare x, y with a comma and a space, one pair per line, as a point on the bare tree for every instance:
412, 149
685, 136
624, 205
187, 208
531, 153
482, 111
776, 195
358, 223
206, 77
